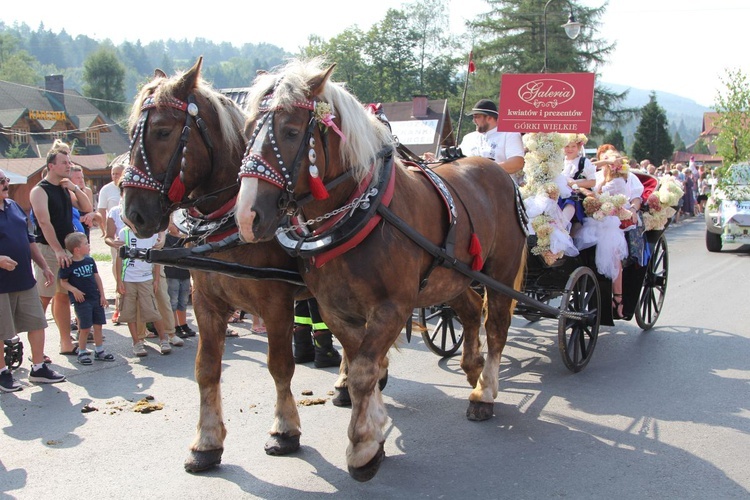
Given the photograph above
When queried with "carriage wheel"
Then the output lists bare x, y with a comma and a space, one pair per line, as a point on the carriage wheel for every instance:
442, 339
577, 338
654, 286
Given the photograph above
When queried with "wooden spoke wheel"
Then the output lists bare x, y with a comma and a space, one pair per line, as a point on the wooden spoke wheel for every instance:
654, 286
577, 337
443, 338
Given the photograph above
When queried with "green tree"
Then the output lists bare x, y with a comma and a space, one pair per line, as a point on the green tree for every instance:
700, 147
17, 66
511, 40
733, 106
17, 150
104, 76
615, 138
679, 144
652, 137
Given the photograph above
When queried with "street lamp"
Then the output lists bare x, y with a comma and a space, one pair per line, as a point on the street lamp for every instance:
572, 29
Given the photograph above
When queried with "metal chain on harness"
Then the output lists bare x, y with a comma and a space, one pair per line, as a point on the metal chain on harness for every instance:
363, 200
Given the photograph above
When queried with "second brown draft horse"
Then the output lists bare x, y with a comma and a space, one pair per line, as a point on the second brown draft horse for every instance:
186, 150
319, 175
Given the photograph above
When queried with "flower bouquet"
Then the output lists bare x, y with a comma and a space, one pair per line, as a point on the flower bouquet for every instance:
657, 215
607, 205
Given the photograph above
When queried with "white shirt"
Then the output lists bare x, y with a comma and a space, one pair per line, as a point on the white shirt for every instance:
492, 144
571, 167
136, 270
114, 214
109, 197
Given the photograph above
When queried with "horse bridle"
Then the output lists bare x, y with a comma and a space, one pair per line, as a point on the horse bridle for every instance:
171, 188
284, 177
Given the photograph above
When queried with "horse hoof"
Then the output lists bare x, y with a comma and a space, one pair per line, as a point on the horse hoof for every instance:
479, 411
198, 461
281, 444
342, 398
368, 471
383, 381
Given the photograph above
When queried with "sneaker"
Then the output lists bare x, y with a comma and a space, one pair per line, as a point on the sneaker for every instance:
103, 356
185, 331
84, 357
45, 375
176, 341
74, 326
8, 383
139, 349
165, 347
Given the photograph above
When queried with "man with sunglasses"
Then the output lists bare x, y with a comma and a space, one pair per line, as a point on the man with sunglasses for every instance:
20, 307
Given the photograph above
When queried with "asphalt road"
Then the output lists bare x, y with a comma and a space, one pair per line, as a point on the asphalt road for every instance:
660, 414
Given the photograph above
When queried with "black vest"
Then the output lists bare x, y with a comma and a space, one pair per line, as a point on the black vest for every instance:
60, 212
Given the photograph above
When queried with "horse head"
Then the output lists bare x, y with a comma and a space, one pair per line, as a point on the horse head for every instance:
186, 144
310, 144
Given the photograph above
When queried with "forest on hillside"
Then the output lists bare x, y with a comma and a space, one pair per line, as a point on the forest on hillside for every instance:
406, 53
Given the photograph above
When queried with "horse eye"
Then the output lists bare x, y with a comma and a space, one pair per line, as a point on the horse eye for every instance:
163, 133
291, 133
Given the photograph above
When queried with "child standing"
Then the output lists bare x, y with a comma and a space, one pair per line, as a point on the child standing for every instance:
178, 284
136, 283
81, 280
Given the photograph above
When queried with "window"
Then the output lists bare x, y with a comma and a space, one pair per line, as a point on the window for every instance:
92, 138
20, 136
59, 134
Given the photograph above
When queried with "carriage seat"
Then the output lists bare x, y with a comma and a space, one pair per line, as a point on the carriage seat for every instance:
650, 184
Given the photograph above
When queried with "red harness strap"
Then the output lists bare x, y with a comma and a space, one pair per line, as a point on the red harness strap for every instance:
215, 215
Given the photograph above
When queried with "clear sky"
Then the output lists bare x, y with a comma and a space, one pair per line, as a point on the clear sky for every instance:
677, 46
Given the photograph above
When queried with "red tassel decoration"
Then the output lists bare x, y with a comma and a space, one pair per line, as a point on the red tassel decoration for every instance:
475, 250
317, 188
176, 190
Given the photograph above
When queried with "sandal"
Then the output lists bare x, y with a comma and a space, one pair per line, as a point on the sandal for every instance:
261, 330
236, 317
84, 357
72, 352
232, 333
617, 306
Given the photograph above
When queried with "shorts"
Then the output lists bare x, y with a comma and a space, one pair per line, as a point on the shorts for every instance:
56, 287
701, 198
179, 291
21, 312
139, 297
89, 313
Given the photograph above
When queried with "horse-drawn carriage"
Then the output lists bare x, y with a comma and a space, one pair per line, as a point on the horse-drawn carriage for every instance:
328, 209
572, 284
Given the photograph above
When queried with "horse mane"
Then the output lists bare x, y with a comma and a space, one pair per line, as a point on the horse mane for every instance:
365, 135
231, 117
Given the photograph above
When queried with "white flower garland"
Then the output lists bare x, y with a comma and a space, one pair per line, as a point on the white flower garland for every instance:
544, 163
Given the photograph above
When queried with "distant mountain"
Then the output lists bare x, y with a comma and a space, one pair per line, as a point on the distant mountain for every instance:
684, 115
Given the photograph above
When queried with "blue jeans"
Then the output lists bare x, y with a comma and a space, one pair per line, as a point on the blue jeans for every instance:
179, 291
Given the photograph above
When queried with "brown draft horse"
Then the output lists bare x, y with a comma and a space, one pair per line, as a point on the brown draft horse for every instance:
310, 135
186, 150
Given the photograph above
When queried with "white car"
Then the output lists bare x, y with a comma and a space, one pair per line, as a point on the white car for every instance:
728, 210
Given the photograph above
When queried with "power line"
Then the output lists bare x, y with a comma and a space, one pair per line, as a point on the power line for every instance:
40, 89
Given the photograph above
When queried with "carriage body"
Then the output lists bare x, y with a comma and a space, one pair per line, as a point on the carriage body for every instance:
573, 284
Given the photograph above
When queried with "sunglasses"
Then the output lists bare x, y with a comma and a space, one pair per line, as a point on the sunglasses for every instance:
4, 180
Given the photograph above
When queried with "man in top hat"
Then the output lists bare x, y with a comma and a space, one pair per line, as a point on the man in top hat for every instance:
506, 148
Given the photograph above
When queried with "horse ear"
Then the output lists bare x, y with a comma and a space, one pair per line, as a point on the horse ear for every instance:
189, 80
159, 73
318, 83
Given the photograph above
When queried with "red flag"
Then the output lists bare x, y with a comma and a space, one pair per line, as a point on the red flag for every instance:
472, 68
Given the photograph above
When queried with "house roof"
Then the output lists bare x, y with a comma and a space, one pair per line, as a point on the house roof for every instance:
709, 118
17, 100
27, 167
